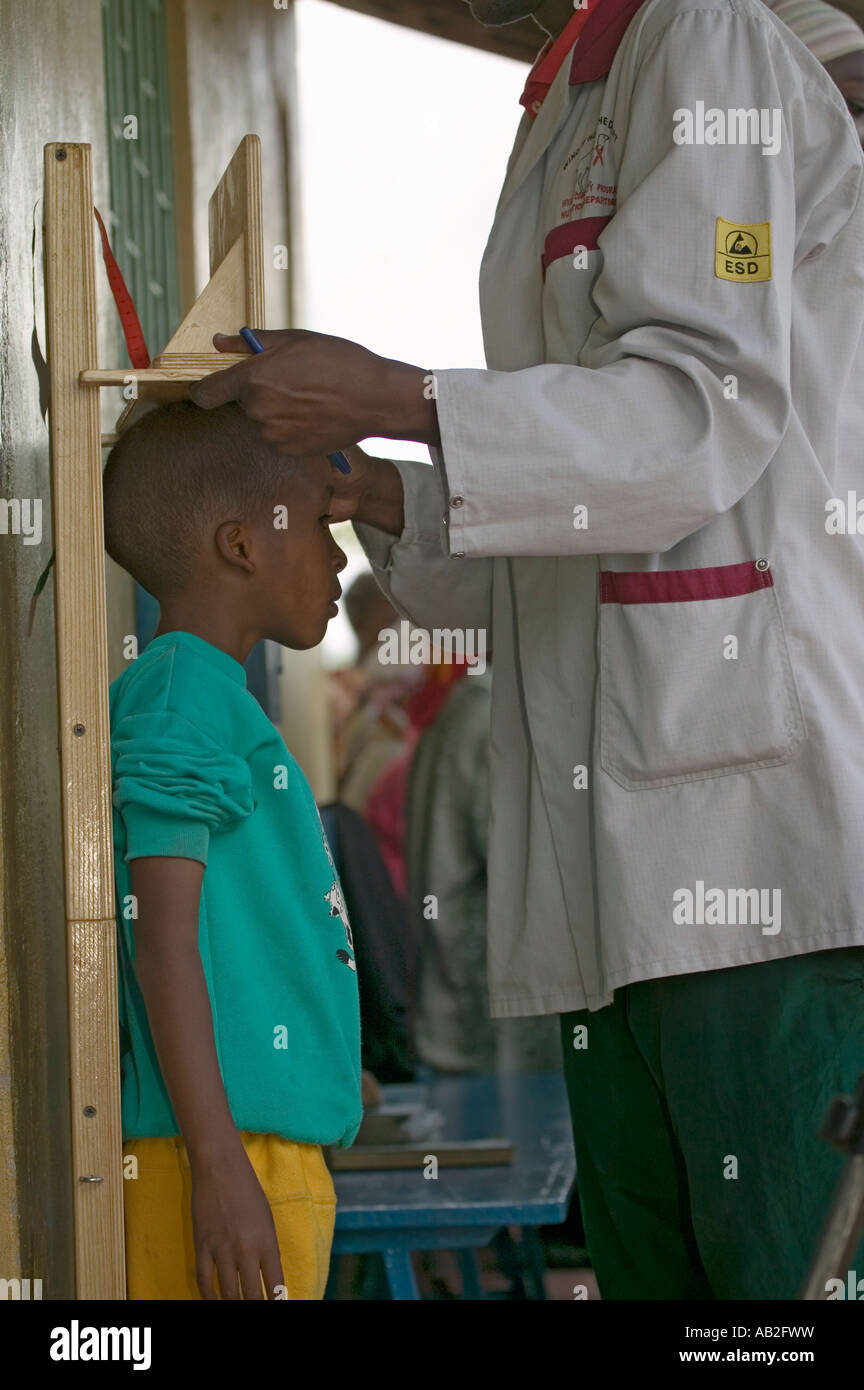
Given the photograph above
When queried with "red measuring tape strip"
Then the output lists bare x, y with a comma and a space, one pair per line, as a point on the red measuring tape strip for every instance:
131, 324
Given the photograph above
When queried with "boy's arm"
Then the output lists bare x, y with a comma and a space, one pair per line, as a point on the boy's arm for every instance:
232, 1221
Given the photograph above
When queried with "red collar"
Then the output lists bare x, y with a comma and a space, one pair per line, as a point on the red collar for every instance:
551, 57
606, 27
599, 30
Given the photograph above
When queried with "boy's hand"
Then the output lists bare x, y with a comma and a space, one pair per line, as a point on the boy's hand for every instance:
234, 1231
350, 489
313, 393
371, 492
370, 1089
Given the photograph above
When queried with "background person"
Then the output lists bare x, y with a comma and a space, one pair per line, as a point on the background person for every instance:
837, 40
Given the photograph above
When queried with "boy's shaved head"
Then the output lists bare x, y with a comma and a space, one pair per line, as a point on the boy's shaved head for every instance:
174, 477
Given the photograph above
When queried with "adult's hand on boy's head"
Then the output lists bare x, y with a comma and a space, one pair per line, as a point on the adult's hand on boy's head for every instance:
312, 393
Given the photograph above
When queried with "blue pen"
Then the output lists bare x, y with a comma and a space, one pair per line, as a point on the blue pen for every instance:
338, 459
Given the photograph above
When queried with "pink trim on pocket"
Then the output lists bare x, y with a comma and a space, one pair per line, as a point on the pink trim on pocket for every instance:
564, 239
682, 586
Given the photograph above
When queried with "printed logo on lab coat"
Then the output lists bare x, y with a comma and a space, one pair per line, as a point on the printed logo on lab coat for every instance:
592, 176
742, 251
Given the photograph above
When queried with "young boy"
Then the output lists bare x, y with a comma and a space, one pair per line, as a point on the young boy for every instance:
238, 991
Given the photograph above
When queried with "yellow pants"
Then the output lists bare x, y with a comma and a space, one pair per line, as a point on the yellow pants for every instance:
160, 1251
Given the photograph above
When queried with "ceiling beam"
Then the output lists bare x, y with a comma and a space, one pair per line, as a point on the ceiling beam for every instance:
452, 19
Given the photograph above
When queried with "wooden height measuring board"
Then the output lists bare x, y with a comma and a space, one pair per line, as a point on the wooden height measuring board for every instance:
233, 296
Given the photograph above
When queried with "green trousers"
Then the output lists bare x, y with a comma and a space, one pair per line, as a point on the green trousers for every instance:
696, 1102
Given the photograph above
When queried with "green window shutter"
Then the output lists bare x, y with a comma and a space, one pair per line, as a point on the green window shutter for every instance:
142, 227
141, 220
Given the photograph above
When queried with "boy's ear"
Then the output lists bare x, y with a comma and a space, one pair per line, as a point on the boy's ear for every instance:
234, 544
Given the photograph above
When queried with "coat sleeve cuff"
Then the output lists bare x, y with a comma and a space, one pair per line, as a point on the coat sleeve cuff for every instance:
457, 501
150, 832
424, 508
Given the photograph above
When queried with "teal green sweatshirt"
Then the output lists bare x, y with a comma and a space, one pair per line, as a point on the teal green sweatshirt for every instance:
200, 772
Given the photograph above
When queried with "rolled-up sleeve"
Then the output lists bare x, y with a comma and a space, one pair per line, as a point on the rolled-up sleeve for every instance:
175, 786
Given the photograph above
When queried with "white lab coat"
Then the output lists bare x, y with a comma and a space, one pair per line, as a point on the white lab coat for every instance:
702, 422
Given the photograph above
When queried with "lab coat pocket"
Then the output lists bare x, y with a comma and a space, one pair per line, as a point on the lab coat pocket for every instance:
696, 678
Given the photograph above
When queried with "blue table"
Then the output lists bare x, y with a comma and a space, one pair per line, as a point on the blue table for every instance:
397, 1211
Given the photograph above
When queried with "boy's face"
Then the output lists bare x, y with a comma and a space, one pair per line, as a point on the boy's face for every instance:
294, 587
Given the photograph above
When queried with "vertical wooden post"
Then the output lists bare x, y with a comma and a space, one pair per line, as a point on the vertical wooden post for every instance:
82, 681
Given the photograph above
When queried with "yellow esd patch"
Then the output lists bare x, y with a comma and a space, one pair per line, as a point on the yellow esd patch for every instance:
742, 251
